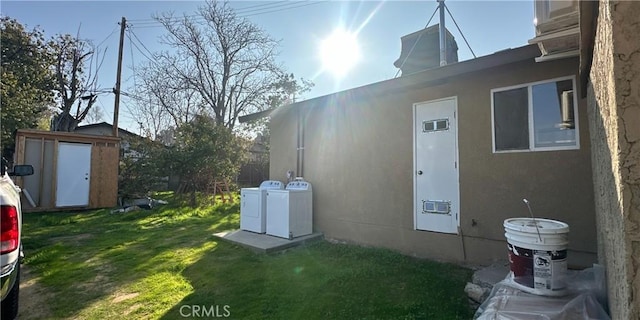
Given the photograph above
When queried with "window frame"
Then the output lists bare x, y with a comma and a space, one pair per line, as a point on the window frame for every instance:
532, 145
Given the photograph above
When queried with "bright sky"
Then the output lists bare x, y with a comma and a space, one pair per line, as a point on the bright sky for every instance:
302, 28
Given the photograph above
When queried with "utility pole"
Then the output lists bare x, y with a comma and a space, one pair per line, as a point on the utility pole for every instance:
116, 106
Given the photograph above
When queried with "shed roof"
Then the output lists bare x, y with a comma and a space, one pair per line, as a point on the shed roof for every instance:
425, 78
103, 124
66, 136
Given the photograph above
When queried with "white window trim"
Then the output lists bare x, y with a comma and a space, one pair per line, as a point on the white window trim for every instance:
532, 147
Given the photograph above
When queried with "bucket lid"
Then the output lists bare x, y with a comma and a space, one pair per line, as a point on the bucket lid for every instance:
545, 226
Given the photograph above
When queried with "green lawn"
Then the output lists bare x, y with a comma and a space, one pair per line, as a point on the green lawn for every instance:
165, 263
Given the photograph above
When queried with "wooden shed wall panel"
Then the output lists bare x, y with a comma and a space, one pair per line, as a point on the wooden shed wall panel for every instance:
54, 173
47, 177
104, 175
20, 146
33, 156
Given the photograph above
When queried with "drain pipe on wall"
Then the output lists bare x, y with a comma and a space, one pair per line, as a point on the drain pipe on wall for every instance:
464, 250
300, 145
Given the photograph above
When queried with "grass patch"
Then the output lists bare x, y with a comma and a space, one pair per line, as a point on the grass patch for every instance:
148, 264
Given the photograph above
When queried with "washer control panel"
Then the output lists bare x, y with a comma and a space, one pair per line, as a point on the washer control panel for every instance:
271, 184
298, 185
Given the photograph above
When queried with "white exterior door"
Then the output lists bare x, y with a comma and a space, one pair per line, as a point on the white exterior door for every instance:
436, 185
73, 174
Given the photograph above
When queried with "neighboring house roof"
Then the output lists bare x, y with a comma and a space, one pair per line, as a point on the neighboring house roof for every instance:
102, 128
429, 77
258, 145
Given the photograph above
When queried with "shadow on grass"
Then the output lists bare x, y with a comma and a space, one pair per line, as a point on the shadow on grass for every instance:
322, 281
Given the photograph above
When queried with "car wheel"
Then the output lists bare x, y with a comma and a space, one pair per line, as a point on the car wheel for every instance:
10, 303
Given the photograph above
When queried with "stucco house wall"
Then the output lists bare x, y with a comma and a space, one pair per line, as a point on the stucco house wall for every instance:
614, 115
358, 154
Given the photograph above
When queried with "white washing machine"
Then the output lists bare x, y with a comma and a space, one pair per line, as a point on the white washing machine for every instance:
289, 211
253, 206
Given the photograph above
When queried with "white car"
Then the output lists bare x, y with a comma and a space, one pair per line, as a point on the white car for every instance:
10, 244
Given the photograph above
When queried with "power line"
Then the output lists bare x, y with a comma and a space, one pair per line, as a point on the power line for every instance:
268, 6
109, 36
99, 91
133, 64
140, 50
152, 59
299, 6
103, 109
415, 44
158, 24
275, 7
131, 110
260, 5
462, 34
142, 44
133, 96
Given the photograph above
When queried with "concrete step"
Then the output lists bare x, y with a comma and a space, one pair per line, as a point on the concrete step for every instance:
487, 277
483, 281
263, 243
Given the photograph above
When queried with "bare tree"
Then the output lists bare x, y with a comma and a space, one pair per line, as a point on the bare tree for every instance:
226, 61
95, 114
76, 67
162, 101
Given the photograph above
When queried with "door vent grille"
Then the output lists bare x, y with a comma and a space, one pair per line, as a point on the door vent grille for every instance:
435, 125
436, 206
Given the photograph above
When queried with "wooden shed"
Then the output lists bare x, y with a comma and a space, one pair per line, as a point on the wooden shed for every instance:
71, 171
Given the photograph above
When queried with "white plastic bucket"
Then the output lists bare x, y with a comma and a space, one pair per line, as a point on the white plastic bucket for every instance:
538, 261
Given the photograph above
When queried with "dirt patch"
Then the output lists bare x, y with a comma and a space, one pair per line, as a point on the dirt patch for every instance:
132, 309
75, 239
99, 282
122, 297
33, 297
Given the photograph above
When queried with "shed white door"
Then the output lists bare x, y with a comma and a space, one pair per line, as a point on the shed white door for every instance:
436, 185
73, 174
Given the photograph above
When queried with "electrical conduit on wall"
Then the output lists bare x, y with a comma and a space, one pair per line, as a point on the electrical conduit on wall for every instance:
300, 145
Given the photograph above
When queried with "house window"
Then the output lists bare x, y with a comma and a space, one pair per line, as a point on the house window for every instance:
535, 117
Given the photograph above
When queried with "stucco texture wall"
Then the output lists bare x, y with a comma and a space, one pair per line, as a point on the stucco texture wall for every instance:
359, 157
614, 113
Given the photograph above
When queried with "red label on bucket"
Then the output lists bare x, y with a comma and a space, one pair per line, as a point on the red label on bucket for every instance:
521, 263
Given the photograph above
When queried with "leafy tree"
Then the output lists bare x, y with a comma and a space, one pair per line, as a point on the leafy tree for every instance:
287, 90
141, 167
27, 80
76, 65
204, 152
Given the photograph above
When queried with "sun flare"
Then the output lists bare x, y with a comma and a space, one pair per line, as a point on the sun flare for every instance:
339, 52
